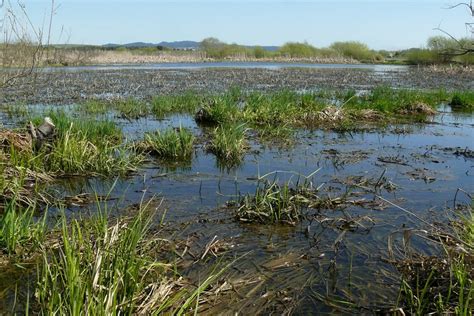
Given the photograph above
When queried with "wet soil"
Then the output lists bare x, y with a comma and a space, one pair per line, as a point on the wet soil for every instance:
67, 85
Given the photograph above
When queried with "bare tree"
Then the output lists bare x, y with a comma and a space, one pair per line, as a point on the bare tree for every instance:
21, 45
463, 46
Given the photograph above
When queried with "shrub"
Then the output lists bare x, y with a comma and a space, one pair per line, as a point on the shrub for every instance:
355, 50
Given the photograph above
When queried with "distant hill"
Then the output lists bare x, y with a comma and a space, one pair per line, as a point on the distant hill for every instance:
172, 45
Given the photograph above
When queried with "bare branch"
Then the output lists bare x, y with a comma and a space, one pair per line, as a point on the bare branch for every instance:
468, 5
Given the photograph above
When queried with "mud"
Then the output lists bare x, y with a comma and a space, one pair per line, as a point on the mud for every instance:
69, 85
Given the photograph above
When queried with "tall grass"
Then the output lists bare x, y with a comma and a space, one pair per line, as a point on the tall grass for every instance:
171, 143
132, 108
99, 269
272, 203
19, 230
462, 100
74, 153
219, 109
106, 266
228, 142
80, 146
187, 102
96, 131
95, 107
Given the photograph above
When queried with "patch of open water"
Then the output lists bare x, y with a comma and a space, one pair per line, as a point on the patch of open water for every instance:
240, 65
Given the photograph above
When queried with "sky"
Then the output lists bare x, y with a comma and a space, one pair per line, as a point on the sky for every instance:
382, 24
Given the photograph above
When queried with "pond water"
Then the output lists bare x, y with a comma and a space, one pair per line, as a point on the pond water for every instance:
338, 252
240, 65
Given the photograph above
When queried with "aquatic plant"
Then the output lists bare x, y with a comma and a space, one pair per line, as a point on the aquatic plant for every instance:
15, 110
105, 266
74, 153
462, 100
95, 107
171, 143
132, 109
19, 230
281, 134
443, 284
96, 131
187, 102
228, 142
218, 110
274, 203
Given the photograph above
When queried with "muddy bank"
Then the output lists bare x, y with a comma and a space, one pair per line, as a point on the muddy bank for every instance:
72, 86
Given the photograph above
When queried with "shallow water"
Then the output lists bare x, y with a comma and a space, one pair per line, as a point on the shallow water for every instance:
293, 266
240, 65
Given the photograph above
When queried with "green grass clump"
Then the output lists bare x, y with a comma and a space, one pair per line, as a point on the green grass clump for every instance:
171, 144
96, 131
95, 107
75, 154
397, 101
462, 100
228, 142
19, 231
16, 110
171, 104
218, 110
132, 109
276, 134
101, 268
105, 266
272, 203
80, 146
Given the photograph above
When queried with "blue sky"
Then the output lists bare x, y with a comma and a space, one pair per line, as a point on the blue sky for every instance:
382, 24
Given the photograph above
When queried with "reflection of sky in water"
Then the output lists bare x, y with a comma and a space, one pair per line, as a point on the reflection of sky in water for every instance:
257, 65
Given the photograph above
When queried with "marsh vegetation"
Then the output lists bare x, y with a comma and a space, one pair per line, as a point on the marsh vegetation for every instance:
145, 205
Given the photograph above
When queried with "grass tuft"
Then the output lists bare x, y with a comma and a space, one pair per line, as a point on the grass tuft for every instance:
19, 231
228, 142
171, 144
462, 101
274, 203
186, 103
132, 109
